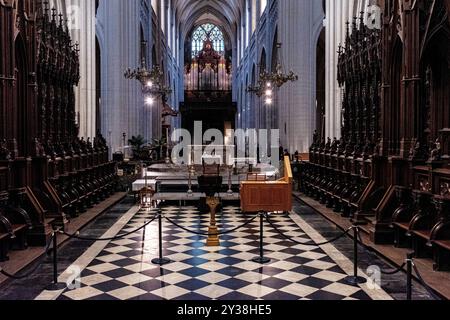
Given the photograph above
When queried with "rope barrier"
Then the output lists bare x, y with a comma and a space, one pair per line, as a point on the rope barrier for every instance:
371, 251
211, 234
262, 215
33, 270
76, 236
424, 284
306, 244
395, 271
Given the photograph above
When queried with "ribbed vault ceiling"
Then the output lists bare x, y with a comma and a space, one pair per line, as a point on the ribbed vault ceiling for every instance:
225, 11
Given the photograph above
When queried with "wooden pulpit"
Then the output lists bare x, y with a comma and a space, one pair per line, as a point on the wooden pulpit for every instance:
268, 196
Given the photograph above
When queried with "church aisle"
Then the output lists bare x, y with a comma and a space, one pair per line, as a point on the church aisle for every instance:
121, 269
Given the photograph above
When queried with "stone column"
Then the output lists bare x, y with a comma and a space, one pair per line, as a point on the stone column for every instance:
296, 100
81, 16
118, 28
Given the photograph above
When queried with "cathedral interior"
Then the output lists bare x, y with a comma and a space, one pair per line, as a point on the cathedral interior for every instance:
224, 150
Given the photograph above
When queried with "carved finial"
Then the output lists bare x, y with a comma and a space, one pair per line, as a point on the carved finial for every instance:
361, 19
46, 9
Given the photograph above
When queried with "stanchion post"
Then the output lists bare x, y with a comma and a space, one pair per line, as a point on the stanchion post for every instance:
261, 259
409, 267
355, 279
143, 236
55, 286
161, 260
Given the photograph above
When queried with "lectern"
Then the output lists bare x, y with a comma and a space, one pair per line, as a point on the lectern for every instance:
268, 196
210, 183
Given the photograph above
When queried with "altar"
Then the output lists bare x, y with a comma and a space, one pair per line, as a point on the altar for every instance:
180, 182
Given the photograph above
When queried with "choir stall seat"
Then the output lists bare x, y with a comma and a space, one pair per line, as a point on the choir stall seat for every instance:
268, 196
441, 255
21, 223
12, 236
440, 234
6, 233
402, 217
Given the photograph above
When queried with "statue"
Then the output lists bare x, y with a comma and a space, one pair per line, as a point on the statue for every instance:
60, 149
315, 138
76, 145
50, 149
89, 143
334, 145
377, 150
83, 145
415, 149
5, 154
39, 148
328, 144
436, 152
69, 149
167, 110
342, 146
356, 150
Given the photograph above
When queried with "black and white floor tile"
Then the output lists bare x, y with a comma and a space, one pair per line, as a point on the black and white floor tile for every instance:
122, 269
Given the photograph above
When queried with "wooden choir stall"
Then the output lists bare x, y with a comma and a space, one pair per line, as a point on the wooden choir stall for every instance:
47, 173
390, 170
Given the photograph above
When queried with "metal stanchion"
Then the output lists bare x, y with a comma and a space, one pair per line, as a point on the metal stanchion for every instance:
355, 279
55, 286
409, 267
143, 238
161, 260
261, 259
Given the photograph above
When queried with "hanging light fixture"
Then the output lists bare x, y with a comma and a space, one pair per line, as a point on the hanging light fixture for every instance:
268, 82
152, 81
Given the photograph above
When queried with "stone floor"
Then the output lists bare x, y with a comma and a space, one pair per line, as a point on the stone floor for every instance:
121, 269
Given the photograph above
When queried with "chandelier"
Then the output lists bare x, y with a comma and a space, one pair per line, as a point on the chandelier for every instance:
268, 81
152, 81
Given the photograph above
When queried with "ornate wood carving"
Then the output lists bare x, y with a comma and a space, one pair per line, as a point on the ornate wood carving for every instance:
47, 172
396, 125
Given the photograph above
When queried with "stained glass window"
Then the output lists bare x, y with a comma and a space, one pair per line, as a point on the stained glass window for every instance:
204, 32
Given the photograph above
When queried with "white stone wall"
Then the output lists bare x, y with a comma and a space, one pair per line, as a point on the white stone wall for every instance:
299, 30
299, 23
122, 107
81, 14
118, 31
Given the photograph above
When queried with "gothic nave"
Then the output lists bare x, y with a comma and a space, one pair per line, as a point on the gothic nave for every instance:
231, 150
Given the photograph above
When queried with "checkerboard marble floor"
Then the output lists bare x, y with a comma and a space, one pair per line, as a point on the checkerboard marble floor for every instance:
122, 269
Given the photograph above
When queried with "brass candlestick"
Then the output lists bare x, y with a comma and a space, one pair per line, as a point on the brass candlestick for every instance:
213, 238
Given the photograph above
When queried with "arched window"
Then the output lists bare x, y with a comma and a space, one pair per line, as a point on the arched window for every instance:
204, 32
